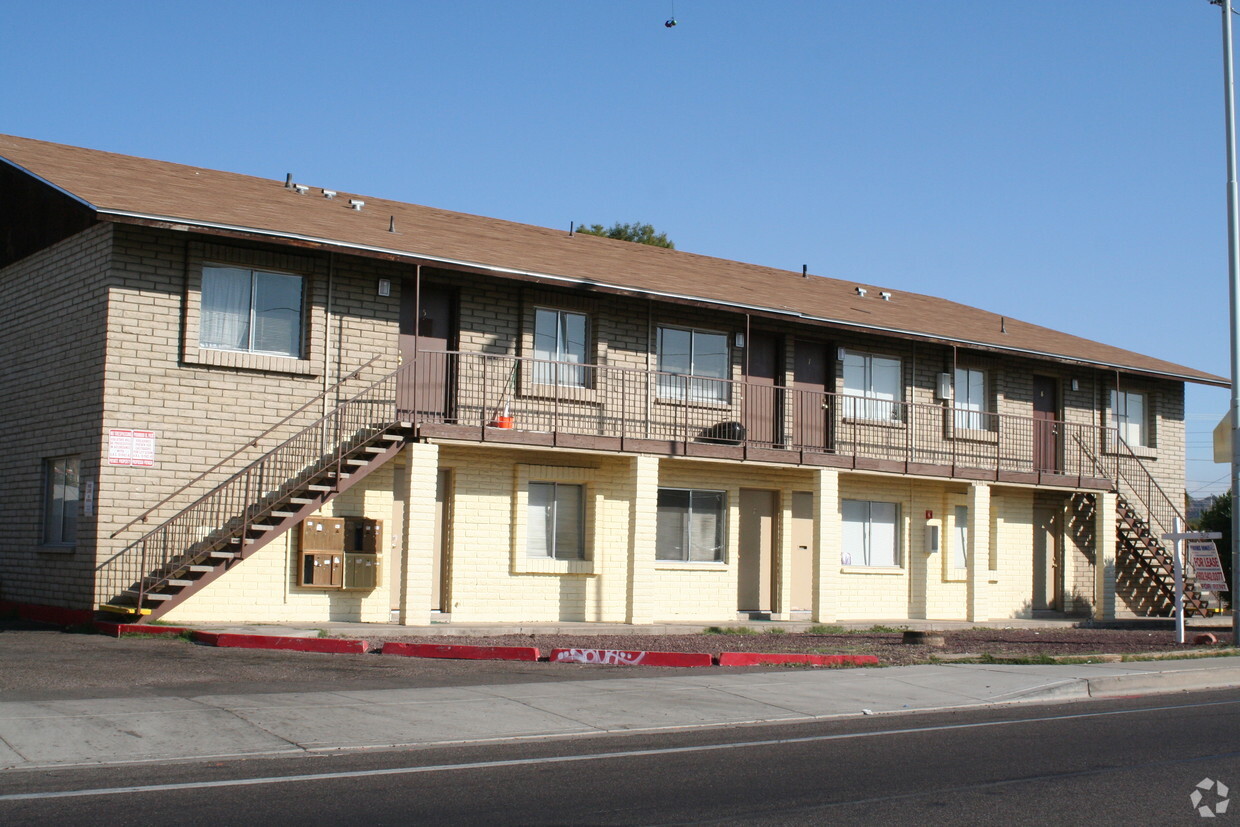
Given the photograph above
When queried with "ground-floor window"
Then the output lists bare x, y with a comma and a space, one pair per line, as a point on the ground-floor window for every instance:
871, 533
60, 501
556, 525
691, 525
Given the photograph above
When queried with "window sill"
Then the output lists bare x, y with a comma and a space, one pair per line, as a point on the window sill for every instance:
685, 565
543, 565
249, 361
893, 424
57, 549
1138, 451
887, 570
704, 404
974, 435
560, 393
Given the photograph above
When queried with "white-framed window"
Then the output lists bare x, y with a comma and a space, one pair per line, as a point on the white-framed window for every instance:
694, 365
251, 311
960, 537
60, 500
555, 525
970, 401
561, 337
873, 387
1129, 416
871, 533
690, 525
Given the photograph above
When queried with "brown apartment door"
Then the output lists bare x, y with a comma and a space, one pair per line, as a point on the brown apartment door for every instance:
812, 416
762, 403
426, 324
756, 557
1045, 424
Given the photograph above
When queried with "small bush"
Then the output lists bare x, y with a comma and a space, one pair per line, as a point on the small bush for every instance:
825, 630
728, 630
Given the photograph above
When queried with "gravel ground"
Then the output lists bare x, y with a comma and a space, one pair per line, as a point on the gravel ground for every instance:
884, 642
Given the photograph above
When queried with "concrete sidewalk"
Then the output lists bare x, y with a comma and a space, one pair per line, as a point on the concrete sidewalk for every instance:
120, 730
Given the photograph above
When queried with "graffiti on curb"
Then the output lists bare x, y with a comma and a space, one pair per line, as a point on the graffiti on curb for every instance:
608, 656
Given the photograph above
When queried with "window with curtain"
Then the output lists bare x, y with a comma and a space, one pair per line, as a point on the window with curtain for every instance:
1129, 416
970, 402
694, 365
251, 311
872, 387
60, 500
555, 524
690, 525
871, 533
561, 341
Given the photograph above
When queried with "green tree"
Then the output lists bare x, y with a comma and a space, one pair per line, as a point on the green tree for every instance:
1218, 518
640, 233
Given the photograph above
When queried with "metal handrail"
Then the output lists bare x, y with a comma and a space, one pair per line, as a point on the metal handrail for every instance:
253, 443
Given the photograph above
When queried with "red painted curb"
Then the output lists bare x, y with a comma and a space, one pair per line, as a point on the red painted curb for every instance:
616, 657
760, 659
118, 629
326, 645
460, 652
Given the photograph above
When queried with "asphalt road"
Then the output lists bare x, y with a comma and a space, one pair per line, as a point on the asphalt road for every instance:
1132, 761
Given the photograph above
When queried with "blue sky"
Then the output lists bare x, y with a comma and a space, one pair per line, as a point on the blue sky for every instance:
1058, 161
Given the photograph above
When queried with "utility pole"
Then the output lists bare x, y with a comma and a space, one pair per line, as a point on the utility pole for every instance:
1233, 269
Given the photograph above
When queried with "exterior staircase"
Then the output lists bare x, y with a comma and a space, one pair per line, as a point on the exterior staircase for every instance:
255, 506
1146, 554
1144, 513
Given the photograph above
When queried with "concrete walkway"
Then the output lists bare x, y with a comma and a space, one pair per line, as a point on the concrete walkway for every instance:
118, 730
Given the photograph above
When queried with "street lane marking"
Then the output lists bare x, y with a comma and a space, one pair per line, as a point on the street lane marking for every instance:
566, 759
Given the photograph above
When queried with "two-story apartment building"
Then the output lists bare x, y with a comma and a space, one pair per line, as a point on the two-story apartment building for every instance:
233, 398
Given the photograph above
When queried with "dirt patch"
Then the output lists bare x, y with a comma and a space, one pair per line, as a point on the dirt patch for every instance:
887, 645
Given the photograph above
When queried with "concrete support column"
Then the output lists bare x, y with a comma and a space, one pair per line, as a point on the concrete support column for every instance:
979, 553
782, 608
643, 517
1104, 555
418, 563
828, 533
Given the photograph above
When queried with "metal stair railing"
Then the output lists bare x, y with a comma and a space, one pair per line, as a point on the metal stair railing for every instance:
223, 517
1134, 482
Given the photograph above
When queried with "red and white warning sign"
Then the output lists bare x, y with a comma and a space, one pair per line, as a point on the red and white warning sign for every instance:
1207, 568
130, 447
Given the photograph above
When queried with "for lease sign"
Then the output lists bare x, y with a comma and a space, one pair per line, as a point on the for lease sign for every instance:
1207, 568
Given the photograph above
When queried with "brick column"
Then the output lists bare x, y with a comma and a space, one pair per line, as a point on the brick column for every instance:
827, 536
417, 565
978, 607
1104, 556
782, 608
644, 507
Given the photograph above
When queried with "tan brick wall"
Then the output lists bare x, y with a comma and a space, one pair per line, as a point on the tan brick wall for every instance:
52, 341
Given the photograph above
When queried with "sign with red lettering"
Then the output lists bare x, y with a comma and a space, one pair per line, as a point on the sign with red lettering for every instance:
130, 447
1207, 568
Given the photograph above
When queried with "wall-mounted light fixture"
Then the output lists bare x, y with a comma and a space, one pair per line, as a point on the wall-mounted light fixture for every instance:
1076, 384
385, 287
739, 340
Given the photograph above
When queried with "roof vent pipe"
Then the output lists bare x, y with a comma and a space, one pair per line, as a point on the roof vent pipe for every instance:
288, 181
804, 271
886, 295
302, 189
861, 292
357, 204
571, 226
392, 224
329, 194
1003, 324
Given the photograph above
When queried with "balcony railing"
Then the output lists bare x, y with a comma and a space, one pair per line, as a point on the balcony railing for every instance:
504, 398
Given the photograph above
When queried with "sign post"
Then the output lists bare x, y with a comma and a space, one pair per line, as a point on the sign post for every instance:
1176, 535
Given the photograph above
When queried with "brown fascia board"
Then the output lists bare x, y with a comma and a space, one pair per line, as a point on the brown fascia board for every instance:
366, 251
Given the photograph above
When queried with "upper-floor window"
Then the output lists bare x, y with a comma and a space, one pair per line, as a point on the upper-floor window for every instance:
251, 311
561, 342
970, 403
871, 533
556, 525
60, 500
1129, 416
689, 526
872, 387
694, 365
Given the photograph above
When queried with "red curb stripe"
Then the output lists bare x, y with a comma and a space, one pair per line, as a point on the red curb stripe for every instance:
460, 651
760, 659
616, 657
118, 629
326, 645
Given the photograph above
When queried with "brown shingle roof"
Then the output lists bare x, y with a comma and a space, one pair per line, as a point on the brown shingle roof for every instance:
121, 186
